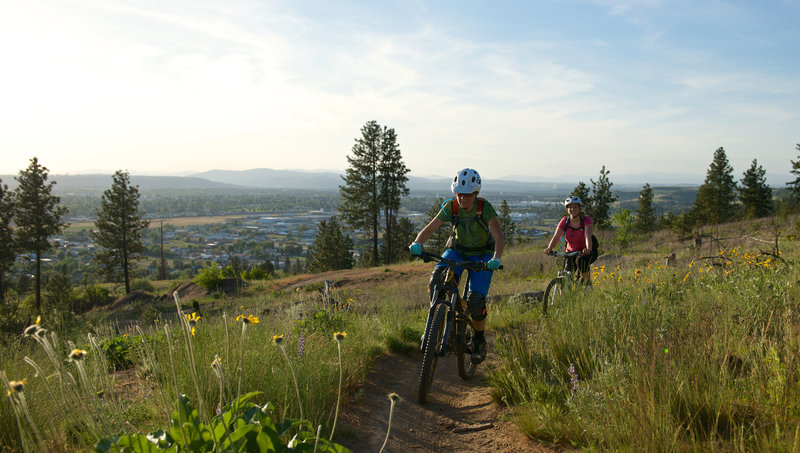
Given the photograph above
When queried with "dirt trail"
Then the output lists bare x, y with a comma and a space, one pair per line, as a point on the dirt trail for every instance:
452, 404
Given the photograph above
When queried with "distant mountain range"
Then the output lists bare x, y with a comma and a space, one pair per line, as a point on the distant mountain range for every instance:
265, 178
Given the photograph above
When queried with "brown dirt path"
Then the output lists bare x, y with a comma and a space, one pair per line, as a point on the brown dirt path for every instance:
433, 427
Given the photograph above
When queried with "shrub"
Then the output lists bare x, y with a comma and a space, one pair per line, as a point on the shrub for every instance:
210, 277
143, 284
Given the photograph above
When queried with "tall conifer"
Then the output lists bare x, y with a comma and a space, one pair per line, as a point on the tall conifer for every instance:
715, 198
8, 248
119, 230
646, 213
38, 216
754, 192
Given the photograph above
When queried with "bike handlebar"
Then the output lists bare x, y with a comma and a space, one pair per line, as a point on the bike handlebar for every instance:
472, 265
565, 254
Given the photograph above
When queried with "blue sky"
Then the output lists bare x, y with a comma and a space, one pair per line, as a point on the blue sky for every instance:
528, 88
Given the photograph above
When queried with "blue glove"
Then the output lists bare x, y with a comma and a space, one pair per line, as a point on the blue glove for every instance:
493, 264
415, 248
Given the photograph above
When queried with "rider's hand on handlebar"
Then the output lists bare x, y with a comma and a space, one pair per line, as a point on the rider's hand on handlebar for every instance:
415, 248
493, 264
548, 251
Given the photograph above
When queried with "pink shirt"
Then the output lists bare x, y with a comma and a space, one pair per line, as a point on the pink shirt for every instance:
575, 236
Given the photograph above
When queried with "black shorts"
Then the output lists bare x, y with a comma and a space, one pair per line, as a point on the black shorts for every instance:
583, 262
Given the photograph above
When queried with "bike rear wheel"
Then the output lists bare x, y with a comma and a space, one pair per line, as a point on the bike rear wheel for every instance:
554, 294
433, 344
466, 369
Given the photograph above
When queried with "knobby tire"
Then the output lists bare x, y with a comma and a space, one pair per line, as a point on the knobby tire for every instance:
433, 343
466, 369
554, 293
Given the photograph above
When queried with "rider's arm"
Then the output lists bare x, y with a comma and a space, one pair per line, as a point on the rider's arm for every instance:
499, 239
428, 231
556, 237
588, 231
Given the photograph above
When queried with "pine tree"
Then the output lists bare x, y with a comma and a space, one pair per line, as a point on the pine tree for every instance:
794, 186
646, 217
582, 191
438, 240
715, 198
120, 227
392, 178
8, 247
754, 192
403, 233
601, 200
38, 216
506, 224
331, 250
360, 208
374, 183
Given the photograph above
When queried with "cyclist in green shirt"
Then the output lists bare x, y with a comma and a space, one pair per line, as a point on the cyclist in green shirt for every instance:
477, 236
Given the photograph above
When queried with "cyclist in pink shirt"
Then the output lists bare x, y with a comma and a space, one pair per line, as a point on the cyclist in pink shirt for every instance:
577, 229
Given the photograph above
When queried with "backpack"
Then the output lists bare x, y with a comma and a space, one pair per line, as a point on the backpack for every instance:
452, 243
595, 242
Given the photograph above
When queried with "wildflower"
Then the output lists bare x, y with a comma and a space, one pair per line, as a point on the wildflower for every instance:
38, 320
17, 386
192, 320
217, 363
277, 339
301, 345
687, 276
339, 336
32, 330
77, 355
393, 397
249, 319
573, 378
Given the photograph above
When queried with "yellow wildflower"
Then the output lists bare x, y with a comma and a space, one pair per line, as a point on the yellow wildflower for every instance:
277, 339
17, 386
339, 336
249, 319
77, 355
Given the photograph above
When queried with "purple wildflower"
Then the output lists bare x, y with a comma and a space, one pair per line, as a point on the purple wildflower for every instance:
301, 345
573, 378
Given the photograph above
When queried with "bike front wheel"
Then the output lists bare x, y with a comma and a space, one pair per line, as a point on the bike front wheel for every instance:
466, 369
554, 294
433, 344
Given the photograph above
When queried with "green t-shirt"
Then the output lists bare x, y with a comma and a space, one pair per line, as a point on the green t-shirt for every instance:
472, 238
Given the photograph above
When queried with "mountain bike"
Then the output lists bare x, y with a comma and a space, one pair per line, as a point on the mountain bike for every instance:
565, 281
448, 328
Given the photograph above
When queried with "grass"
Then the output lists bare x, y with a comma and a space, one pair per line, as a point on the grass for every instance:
697, 356
703, 355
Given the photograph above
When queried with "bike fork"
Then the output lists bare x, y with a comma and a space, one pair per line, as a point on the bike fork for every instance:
434, 299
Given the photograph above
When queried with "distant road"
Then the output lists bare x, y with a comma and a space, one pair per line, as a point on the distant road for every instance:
178, 221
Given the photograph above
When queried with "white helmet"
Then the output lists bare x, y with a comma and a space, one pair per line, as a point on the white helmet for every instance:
572, 200
466, 181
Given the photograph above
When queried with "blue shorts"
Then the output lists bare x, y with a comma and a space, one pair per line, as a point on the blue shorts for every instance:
479, 281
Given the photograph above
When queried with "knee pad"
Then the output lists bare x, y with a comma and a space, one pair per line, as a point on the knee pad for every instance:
476, 304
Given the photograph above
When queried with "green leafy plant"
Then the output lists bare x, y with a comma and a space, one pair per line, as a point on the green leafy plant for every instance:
241, 426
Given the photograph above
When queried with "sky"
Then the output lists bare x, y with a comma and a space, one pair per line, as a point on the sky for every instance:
528, 89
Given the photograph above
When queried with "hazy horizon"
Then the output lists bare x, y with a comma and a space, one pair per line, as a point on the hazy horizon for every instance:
540, 88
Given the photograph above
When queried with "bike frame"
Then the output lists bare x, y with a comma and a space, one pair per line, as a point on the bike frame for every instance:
452, 312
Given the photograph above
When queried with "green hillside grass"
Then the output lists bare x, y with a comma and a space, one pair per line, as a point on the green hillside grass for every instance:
697, 355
